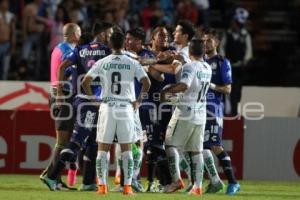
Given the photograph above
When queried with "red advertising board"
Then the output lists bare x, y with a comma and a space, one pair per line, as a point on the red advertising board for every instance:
27, 137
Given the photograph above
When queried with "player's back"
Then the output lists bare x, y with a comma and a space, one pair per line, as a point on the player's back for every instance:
192, 106
117, 73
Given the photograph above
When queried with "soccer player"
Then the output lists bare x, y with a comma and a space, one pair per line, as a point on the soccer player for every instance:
186, 128
64, 114
154, 149
183, 33
220, 85
134, 42
84, 132
117, 73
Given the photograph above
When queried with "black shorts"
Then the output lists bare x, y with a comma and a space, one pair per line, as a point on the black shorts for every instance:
63, 116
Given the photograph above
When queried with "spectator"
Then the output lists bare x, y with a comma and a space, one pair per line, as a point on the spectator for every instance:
187, 11
7, 38
236, 45
203, 12
152, 14
32, 32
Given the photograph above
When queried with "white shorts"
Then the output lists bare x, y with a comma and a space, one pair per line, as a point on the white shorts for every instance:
116, 119
138, 126
185, 135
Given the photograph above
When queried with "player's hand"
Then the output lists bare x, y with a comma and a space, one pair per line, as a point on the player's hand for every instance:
136, 105
162, 96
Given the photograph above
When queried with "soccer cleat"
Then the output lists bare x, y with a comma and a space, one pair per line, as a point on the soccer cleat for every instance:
174, 186
51, 184
196, 191
215, 188
233, 188
117, 188
137, 186
102, 189
188, 188
61, 185
71, 179
91, 187
127, 190
160, 188
151, 187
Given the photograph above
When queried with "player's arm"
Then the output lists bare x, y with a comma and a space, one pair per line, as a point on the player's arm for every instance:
156, 74
226, 89
173, 68
226, 78
145, 81
60, 79
86, 85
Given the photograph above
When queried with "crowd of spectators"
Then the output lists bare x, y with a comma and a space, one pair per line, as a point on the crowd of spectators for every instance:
35, 26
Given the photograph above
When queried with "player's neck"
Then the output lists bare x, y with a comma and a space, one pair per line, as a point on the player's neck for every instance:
212, 54
117, 51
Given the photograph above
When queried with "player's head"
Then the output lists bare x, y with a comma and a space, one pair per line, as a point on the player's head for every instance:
211, 40
159, 37
196, 48
117, 40
184, 32
102, 31
71, 32
135, 39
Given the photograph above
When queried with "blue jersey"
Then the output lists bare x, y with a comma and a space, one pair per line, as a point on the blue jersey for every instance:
66, 48
145, 53
84, 58
221, 75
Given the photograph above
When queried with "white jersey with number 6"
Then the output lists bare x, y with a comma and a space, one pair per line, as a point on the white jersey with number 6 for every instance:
117, 73
192, 106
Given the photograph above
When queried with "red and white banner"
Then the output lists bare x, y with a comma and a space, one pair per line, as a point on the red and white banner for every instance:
15, 95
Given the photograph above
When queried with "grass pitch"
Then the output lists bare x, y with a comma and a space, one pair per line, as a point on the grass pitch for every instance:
29, 187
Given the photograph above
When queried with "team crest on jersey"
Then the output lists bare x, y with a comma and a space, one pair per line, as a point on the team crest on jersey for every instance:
213, 65
94, 45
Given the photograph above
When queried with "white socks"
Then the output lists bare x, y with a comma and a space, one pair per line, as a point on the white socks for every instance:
198, 166
127, 161
102, 167
173, 158
210, 166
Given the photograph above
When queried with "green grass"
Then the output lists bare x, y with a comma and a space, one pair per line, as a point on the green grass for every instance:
29, 187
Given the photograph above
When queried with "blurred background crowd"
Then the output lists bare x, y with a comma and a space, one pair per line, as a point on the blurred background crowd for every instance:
30, 29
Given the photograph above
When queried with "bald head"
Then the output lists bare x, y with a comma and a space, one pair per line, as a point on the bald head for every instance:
71, 33
69, 29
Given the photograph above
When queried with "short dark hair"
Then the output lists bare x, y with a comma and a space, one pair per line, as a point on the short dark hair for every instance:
196, 47
100, 27
213, 32
138, 33
187, 28
117, 40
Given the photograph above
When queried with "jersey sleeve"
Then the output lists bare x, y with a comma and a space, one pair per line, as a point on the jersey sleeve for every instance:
139, 72
187, 75
95, 70
72, 56
226, 72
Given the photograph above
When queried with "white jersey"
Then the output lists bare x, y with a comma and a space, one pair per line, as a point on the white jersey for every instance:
117, 73
184, 52
192, 106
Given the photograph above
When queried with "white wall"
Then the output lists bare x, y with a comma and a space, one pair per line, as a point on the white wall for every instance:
277, 101
269, 149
